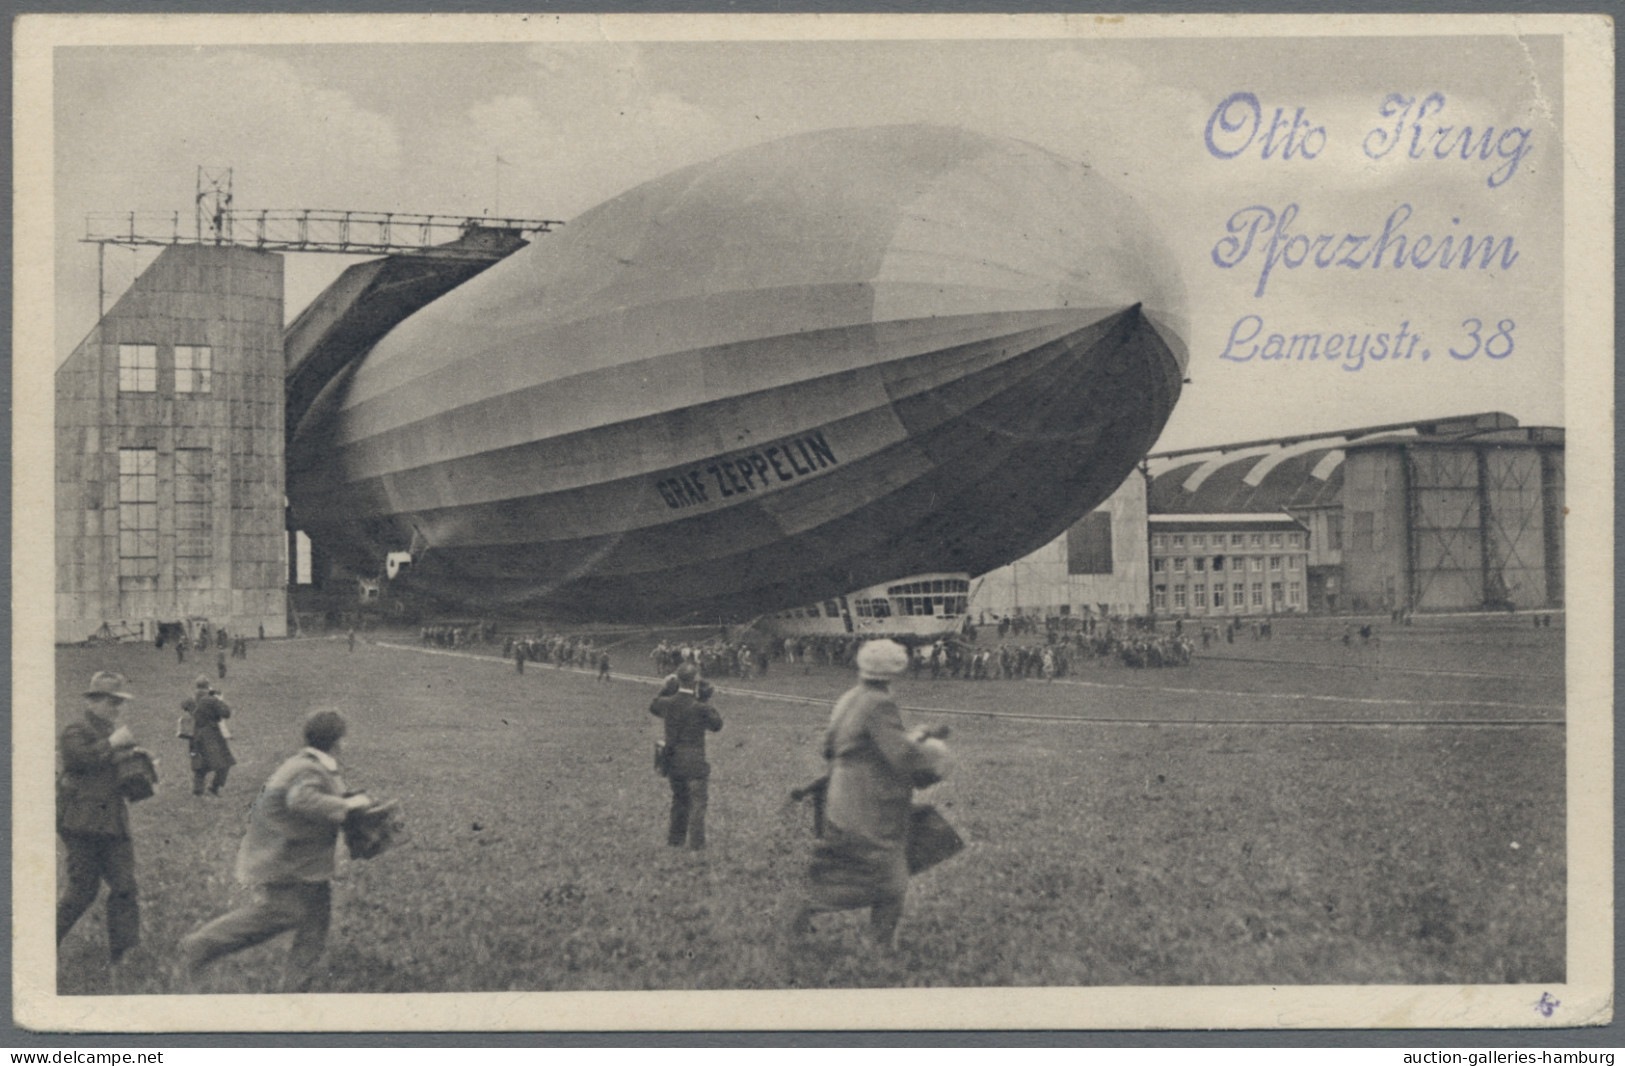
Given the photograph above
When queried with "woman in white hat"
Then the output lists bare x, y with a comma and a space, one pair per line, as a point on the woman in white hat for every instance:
875, 765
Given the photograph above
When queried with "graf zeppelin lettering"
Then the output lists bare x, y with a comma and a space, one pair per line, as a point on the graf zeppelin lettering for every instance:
743, 473
1265, 239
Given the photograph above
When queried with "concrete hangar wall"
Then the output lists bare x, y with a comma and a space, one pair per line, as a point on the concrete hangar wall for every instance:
169, 452
1100, 565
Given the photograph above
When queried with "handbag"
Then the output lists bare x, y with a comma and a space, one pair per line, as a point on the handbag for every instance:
225, 730
372, 831
136, 772
662, 759
930, 839
183, 726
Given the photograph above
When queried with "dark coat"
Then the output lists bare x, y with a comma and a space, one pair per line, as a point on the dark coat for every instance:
687, 721
87, 795
209, 748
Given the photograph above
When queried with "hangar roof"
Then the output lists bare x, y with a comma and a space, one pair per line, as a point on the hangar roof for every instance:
1304, 473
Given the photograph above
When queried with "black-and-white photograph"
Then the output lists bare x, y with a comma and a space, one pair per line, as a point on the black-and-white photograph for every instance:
889, 522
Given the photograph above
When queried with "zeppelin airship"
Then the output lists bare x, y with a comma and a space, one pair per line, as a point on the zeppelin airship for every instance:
804, 367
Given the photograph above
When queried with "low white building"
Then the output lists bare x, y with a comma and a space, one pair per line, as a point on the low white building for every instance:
1212, 565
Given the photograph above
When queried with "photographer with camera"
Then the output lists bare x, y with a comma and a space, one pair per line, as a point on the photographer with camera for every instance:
207, 743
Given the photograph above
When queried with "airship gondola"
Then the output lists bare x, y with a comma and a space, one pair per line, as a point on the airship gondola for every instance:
804, 367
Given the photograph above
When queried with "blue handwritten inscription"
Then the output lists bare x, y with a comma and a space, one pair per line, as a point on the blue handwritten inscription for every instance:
1395, 246
1430, 138
1547, 1005
1235, 124
1352, 351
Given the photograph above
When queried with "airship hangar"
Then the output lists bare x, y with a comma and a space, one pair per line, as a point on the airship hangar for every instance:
799, 369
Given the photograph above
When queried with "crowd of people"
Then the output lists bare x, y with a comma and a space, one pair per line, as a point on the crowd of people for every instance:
457, 635
716, 657
558, 649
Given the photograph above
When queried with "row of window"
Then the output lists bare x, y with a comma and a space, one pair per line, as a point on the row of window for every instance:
1289, 594
138, 513
138, 368
916, 588
1160, 541
879, 607
1201, 563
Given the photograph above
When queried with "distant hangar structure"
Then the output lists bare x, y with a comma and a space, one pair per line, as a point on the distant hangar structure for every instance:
1459, 513
805, 367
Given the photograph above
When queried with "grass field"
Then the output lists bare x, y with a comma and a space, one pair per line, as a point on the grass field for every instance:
1256, 818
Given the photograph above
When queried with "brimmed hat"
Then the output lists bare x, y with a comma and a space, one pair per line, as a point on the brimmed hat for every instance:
107, 683
881, 660
202, 682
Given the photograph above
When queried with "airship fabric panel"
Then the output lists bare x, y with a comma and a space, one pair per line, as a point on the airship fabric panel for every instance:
804, 367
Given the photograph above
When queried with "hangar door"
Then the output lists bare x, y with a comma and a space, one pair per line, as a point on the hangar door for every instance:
1477, 527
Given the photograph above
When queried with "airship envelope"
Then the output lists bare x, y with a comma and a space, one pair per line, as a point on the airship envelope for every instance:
803, 367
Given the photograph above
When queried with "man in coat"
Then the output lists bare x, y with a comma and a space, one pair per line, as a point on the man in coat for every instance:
93, 818
687, 721
209, 751
287, 856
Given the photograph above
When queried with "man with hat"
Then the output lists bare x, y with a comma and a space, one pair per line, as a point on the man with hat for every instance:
93, 818
209, 751
862, 858
687, 720
287, 856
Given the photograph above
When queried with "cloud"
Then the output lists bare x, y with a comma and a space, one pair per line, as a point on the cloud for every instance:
134, 124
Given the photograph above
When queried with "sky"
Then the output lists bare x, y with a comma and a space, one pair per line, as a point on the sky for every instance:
420, 128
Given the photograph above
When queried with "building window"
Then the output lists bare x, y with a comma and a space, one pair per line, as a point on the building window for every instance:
1275, 562
1159, 597
1179, 540
1198, 540
1294, 540
1200, 563
1199, 595
1179, 566
194, 368
1237, 539
1256, 540
1258, 594
138, 517
138, 368
1179, 597
1159, 541
1294, 562
1238, 594
194, 511
1275, 540
1089, 544
1294, 594
1334, 531
1218, 564
1156, 566
1275, 594
1258, 564
1218, 596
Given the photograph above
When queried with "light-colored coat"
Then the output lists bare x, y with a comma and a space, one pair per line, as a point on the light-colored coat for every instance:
872, 768
295, 824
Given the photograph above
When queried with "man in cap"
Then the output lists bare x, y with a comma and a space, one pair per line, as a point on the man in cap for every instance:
687, 720
209, 751
93, 818
288, 856
862, 858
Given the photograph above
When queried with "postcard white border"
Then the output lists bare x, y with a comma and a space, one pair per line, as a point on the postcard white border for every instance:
1588, 382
